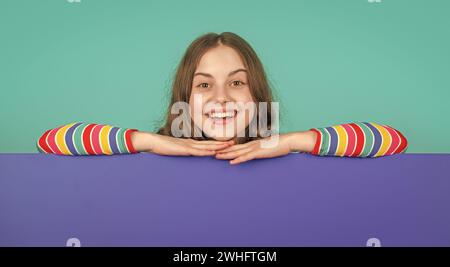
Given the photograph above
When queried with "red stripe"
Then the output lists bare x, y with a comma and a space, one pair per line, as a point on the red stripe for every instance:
128, 142
51, 139
359, 139
404, 143
96, 139
87, 140
315, 150
395, 140
351, 140
43, 143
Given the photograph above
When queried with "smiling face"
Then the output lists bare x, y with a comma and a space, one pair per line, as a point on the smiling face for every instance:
220, 93
216, 71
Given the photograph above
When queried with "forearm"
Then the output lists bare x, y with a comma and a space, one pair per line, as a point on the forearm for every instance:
142, 141
302, 141
81, 138
358, 139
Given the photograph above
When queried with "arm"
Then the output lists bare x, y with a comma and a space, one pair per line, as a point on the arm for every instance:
81, 138
359, 139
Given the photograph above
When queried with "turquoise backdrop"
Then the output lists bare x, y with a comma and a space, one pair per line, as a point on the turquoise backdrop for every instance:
330, 62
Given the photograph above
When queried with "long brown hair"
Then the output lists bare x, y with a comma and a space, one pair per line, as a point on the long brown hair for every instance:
182, 83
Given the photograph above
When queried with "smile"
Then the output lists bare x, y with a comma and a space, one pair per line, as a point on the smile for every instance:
222, 117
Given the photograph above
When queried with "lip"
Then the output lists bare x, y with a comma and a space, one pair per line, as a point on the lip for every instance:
223, 120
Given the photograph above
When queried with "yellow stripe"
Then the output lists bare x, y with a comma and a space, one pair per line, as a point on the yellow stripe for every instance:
60, 139
104, 141
342, 137
386, 141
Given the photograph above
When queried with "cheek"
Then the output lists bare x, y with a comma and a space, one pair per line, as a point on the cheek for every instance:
196, 110
246, 97
243, 95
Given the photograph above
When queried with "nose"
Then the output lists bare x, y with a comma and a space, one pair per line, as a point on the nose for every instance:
221, 95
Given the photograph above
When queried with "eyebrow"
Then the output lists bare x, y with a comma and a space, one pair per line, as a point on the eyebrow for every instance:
229, 74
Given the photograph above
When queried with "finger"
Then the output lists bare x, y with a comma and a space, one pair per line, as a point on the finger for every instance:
200, 152
244, 158
211, 146
233, 154
212, 142
233, 148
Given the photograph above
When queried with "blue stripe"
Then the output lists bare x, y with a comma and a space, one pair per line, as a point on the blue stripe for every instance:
112, 140
333, 140
377, 139
68, 139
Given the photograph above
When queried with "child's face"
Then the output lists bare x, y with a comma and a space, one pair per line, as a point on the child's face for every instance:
221, 81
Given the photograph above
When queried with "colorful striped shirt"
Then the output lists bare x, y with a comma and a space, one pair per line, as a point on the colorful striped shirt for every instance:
359, 139
81, 138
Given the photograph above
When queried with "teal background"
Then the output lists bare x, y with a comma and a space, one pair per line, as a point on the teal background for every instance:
331, 62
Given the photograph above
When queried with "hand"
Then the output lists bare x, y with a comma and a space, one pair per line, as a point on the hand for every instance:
167, 145
297, 141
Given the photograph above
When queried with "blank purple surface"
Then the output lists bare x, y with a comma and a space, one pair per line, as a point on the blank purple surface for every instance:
297, 200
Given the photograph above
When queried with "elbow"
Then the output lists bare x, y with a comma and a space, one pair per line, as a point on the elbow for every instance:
402, 145
42, 145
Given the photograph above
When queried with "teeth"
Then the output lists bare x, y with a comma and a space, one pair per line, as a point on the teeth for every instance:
222, 114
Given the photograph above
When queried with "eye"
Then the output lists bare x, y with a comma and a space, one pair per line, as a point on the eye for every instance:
203, 85
237, 83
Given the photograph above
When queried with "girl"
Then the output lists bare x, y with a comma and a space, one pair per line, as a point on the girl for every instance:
217, 74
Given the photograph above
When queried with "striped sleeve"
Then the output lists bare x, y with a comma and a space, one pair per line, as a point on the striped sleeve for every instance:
81, 138
359, 139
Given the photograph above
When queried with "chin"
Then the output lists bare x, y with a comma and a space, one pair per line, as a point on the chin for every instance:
223, 138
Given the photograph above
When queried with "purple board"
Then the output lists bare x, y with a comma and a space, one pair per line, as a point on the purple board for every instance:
296, 200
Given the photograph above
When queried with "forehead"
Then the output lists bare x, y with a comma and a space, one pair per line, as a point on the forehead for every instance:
220, 60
